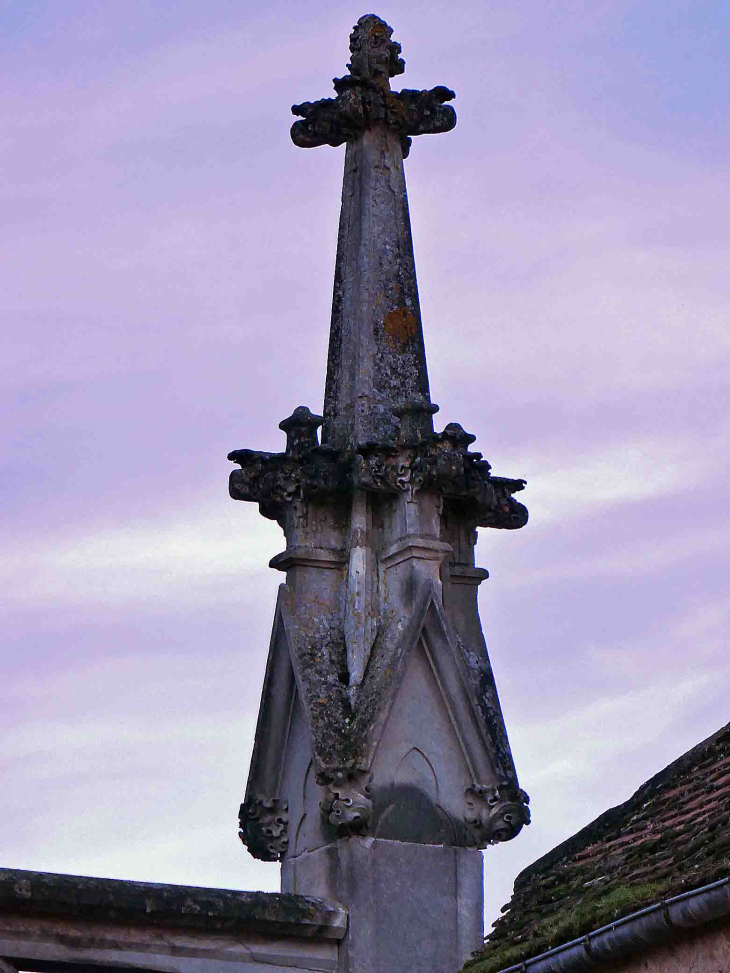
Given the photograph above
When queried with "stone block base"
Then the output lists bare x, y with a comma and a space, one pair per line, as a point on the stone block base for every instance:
412, 908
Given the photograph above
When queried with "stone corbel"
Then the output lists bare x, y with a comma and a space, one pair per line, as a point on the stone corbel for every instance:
264, 824
495, 814
347, 804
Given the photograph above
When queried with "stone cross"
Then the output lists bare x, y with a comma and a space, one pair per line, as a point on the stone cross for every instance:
381, 757
364, 98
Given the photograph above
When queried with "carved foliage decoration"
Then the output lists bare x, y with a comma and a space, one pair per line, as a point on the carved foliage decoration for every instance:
373, 54
439, 461
277, 481
347, 803
264, 824
495, 814
442, 462
358, 106
364, 97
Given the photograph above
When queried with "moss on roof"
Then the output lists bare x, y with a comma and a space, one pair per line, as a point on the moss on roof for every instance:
670, 837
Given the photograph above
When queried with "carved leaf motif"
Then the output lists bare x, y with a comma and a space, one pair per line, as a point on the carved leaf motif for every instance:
264, 824
347, 803
364, 97
495, 814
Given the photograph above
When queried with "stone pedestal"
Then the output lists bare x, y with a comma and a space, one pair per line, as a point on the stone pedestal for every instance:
412, 908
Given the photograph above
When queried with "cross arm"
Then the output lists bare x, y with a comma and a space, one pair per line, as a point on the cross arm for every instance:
364, 98
332, 121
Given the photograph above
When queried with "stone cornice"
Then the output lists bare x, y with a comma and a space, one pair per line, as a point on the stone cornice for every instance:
98, 899
440, 462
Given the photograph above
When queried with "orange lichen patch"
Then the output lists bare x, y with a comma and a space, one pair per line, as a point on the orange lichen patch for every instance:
396, 106
400, 324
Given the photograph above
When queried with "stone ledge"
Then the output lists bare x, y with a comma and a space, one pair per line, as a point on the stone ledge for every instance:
466, 574
309, 557
415, 546
215, 910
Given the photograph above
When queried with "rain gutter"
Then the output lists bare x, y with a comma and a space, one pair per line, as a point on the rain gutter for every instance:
641, 930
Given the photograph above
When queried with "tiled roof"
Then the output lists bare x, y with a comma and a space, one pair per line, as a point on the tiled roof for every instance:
670, 837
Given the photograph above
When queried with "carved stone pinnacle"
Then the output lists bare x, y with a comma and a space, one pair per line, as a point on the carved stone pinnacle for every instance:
374, 55
364, 98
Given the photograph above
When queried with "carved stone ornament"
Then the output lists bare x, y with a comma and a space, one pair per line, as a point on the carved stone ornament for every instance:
264, 825
347, 804
442, 462
439, 461
495, 814
364, 97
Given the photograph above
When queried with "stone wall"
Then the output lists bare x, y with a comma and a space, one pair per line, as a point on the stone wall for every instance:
56, 922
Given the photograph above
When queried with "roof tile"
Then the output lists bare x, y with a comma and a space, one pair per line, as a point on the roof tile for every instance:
669, 837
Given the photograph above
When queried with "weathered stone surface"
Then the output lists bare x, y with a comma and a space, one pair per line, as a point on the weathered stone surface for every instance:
280, 482
41, 944
496, 814
222, 910
364, 98
377, 359
347, 801
377, 362
52, 922
264, 824
379, 707
413, 908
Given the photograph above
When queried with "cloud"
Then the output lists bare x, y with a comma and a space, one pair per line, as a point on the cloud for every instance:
177, 556
605, 728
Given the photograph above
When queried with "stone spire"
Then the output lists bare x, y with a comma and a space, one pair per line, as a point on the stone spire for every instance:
377, 363
379, 716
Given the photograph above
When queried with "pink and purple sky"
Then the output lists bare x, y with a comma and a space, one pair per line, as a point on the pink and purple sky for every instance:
166, 280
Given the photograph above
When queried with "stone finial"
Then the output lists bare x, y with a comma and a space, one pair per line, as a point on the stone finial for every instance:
301, 430
374, 55
377, 626
415, 419
364, 97
455, 434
